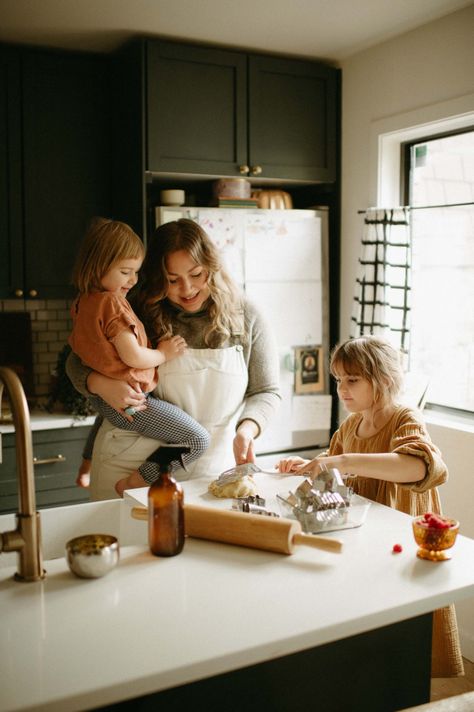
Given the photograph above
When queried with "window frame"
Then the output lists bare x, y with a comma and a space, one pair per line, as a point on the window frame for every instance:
405, 163
405, 192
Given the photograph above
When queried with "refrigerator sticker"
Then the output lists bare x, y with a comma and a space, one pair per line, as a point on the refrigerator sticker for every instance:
225, 228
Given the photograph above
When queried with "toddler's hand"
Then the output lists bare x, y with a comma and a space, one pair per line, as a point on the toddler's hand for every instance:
133, 480
84, 474
170, 348
291, 464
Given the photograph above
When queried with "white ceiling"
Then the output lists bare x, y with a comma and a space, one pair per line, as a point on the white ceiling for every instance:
327, 29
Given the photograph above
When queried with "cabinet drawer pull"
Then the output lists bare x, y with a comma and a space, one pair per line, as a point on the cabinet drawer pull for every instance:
33, 293
18, 292
256, 170
49, 460
244, 170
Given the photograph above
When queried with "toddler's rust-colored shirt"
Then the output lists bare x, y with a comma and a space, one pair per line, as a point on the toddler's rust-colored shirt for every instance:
98, 318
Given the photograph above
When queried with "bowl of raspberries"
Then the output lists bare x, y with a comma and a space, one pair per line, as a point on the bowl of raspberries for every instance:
434, 534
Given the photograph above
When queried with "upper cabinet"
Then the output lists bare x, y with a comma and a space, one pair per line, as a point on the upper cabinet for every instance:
10, 182
292, 119
196, 109
55, 173
216, 112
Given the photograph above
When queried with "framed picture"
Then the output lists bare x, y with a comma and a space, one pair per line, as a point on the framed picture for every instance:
309, 372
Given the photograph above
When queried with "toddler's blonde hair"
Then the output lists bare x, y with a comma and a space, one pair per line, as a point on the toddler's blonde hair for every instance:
105, 243
375, 360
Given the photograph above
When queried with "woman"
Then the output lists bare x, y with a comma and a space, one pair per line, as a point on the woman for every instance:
228, 378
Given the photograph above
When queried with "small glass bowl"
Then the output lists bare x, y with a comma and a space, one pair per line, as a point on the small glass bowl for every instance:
433, 542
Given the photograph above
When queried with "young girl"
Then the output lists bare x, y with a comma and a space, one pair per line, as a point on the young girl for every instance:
109, 337
386, 454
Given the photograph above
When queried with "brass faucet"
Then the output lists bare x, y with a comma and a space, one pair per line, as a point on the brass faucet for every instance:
26, 538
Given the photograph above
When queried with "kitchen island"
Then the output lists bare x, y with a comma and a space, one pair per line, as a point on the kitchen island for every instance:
237, 628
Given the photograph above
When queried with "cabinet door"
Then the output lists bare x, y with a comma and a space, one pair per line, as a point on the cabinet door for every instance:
292, 119
66, 162
197, 109
11, 245
57, 454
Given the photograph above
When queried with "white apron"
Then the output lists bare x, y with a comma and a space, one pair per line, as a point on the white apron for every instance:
210, 385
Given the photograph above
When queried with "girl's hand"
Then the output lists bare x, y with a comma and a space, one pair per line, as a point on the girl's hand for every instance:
290, 464
170, 348
84, 474
118, 394
243, 442
311, 467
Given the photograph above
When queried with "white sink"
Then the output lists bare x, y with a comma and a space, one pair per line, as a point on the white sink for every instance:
59, 524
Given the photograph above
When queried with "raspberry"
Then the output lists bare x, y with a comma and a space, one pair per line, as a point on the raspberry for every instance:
436, 521
397, 549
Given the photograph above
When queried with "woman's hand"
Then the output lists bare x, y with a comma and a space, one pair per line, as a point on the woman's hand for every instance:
84, 474
291, 464
243, 442
118, 394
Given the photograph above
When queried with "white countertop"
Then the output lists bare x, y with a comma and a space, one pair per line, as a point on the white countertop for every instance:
153, 623
39, 420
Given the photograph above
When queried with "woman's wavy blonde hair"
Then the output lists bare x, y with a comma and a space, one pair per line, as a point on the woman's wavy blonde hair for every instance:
150, 302
375, 360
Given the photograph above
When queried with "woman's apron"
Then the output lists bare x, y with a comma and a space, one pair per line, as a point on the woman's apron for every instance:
210, 385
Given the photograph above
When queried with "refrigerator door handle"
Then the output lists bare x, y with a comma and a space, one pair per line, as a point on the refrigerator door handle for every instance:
289, 362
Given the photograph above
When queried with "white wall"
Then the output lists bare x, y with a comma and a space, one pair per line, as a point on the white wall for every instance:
418, 77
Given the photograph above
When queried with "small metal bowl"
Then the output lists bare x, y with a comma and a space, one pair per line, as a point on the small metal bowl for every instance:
92, 555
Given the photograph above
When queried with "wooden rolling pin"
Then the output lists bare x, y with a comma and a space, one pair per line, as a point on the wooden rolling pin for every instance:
253, 530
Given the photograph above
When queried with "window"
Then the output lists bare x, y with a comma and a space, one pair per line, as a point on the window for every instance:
440, 172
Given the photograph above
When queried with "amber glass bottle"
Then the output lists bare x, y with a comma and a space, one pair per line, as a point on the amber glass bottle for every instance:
166, 507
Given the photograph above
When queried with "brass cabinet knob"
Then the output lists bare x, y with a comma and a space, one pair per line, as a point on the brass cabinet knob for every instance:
256, 170
33, 293
18, 292
244, 170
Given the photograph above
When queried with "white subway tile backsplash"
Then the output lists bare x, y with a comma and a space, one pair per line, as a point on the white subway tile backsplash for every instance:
13, 305
46, 336
50, 325
57, 325
32, 305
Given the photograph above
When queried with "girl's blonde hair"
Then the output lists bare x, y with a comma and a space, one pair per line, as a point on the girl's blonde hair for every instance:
375, 360
156, 312
105, 243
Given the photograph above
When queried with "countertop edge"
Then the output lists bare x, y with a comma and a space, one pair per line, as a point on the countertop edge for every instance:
50, 421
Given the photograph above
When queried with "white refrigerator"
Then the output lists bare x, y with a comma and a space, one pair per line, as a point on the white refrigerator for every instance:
280, 260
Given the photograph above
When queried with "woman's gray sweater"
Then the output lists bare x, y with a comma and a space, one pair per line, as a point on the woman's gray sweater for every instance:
262, 396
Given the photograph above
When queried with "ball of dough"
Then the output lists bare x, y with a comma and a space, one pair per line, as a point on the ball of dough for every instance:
242, 487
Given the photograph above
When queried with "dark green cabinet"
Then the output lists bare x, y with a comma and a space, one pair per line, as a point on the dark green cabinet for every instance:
218, 112
292, 119
196, 109
195, 113
11, 255
56, 173
57, 454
